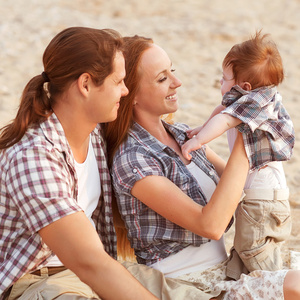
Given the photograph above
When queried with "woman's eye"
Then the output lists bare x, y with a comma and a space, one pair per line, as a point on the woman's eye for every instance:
165, 77
162, 79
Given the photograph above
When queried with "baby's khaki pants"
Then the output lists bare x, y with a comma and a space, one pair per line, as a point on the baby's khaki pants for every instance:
263, 220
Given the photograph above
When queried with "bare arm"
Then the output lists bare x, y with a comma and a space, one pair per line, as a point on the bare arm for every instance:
217, 126
212, 129
74, 240
164, 197
217, 110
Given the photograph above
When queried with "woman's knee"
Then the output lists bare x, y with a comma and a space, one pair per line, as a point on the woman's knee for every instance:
291, 285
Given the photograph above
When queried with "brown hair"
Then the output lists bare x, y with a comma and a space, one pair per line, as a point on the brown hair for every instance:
116, 132
256, 60
70, 53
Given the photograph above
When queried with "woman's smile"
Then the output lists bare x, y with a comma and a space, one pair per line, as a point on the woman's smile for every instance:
172, 97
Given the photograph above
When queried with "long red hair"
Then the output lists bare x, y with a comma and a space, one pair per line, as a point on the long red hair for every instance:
117, 131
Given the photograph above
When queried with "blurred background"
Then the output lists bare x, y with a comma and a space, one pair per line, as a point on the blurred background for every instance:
196, 34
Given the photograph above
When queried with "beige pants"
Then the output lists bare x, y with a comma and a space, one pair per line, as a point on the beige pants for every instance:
263, 221
62, 286
207, 284
67, 286
201, 285
170, 288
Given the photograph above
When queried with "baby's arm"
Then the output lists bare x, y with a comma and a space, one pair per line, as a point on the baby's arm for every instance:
216, 126
192, 132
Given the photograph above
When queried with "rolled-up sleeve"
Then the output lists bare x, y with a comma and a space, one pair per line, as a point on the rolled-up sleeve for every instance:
132, 166
249, 111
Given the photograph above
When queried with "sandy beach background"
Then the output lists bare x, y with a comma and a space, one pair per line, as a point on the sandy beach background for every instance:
195, 33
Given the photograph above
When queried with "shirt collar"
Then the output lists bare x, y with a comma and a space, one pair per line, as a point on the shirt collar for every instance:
54, 132
236, 92
137, 131
178, 132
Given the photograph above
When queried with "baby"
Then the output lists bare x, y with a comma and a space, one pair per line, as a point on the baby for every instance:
252, 105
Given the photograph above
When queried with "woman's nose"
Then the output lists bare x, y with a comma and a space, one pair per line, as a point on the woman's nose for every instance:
176, 82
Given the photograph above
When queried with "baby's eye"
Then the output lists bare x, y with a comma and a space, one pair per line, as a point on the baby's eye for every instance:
173, 70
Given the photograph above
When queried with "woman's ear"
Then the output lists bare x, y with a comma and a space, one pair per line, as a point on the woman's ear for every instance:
84, 83
246, 86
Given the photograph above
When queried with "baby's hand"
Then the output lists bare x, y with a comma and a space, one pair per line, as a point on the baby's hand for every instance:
191, 132
189, 146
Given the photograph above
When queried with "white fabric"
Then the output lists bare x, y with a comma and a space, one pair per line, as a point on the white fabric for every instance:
89, 190
192, 259
271, 177
206, 183
294, 260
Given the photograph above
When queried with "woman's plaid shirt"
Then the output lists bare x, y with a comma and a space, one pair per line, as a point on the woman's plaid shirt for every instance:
152, 236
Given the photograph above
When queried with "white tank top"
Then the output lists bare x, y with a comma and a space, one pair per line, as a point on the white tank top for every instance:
89, 190
191, 258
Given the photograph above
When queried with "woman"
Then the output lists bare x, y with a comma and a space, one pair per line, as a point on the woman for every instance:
176, 212
52, 158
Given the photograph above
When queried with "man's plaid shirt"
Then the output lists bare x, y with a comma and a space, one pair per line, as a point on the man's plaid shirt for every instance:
38, 185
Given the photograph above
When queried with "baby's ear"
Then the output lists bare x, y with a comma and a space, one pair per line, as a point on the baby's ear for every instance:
246, 86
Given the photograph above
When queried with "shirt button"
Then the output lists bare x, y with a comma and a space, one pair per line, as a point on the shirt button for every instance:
134, 170
211, 173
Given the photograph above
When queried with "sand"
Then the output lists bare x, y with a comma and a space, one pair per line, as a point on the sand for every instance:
195, 33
